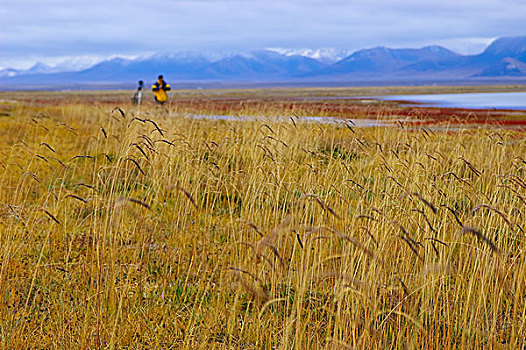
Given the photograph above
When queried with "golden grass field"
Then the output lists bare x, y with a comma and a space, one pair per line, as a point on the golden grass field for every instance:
158, 231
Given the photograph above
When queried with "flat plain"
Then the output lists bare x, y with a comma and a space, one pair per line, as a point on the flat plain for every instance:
151, 228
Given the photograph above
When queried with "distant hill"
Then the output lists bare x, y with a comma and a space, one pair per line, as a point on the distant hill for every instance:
118, 69
382, 60
266, 65
514, 47
503, 59
505, 67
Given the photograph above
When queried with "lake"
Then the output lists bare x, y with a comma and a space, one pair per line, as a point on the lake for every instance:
497, 100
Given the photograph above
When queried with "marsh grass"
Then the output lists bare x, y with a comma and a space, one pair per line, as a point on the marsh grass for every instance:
120, 231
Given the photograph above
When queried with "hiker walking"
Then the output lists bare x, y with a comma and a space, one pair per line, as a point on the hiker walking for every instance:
159, 90
136, 99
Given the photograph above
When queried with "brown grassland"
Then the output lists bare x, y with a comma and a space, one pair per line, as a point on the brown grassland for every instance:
160, 231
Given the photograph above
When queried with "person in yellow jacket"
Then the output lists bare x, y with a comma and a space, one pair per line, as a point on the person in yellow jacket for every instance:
159, 90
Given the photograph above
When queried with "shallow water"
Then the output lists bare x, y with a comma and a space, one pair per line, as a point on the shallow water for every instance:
359, 123
494, 100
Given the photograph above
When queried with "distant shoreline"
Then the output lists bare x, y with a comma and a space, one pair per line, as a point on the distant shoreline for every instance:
243, 85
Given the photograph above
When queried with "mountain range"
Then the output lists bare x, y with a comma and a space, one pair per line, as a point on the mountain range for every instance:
503, 60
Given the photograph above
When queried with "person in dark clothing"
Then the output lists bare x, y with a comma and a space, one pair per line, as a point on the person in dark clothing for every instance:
159, 90
136, 99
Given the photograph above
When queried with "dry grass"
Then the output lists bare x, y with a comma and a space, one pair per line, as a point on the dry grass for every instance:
164, 232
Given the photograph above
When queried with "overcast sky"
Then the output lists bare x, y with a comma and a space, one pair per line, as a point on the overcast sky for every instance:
49, 30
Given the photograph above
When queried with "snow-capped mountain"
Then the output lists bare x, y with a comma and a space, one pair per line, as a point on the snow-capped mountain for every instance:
504, 58
325, 55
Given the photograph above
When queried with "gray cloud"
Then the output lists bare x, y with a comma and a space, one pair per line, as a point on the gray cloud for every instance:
34, 29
